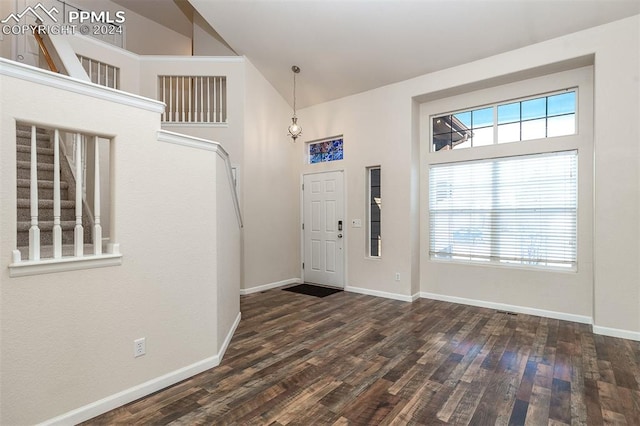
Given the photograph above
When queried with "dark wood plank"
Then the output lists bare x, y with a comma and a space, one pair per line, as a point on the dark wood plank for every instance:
356, 359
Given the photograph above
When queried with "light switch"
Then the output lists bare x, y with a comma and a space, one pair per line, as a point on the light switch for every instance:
356, 223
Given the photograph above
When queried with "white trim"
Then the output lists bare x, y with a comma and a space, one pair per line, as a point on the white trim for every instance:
123, 51
70, 84
229, 336
617, 332
147, 388
49, 266
377, 293
193, 124
207, 145
215, 59
190, 141
583, 319
105, 45
258, 289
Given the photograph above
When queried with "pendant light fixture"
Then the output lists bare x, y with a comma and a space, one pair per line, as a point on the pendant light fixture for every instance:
294, 129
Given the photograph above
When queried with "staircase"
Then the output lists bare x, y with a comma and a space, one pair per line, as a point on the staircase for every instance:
45, 194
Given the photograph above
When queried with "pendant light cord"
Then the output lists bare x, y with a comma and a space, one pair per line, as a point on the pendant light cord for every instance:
294, 93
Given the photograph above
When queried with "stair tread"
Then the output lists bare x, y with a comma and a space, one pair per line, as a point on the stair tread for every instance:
42, 183
41, 151
26, 202
26, 134
45, 225
40, 166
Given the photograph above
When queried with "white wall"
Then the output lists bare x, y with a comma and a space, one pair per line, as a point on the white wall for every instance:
230, 135
552, 291
376, 126
142, 35
379, 127
67, 337
228, 264
271, 187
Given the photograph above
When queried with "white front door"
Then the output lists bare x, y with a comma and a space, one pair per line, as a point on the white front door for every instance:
324, 228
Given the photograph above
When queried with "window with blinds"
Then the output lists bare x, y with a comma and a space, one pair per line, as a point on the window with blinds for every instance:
517, 210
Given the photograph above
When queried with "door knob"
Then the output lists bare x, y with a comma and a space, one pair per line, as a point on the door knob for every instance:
339, 235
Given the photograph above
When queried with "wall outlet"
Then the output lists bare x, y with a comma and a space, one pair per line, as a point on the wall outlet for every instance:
139, 347
397, 276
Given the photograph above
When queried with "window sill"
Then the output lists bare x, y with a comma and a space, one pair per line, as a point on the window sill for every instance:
49, 266
481, 264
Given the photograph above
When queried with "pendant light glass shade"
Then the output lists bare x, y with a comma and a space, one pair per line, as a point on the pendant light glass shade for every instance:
294, 129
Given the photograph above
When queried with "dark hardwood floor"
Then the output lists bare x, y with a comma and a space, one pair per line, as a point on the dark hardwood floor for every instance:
362, 360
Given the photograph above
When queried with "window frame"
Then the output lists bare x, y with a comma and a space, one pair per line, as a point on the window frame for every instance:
495, 126
369, 214
496, 216
545, 80
330, 140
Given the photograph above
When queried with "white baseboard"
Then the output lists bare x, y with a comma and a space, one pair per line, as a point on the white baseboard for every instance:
377, 293
245, 291
128, 395
229, 336
616, 332
510, 308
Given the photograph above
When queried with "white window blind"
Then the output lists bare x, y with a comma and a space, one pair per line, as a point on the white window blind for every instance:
519, 210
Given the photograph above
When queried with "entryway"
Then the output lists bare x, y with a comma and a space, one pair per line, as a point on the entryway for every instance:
323, 228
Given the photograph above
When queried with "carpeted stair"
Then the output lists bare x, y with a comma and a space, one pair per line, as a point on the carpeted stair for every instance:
45, 192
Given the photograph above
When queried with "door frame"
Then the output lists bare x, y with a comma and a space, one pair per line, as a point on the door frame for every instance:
344, 221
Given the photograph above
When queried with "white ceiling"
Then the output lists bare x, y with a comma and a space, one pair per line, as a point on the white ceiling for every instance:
349, 46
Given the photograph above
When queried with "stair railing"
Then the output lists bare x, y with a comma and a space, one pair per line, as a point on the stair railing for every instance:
43, 48
193, 99
78, 165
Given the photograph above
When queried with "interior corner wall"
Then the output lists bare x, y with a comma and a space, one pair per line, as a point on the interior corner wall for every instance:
271, 199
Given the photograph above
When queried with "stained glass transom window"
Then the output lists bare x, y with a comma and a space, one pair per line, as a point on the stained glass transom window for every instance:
327, 150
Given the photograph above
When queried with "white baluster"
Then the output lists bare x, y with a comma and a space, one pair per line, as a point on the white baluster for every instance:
78, 230
163, 90
97, 228
208, 117
170, 99
34, 230
182, 96
195, 99
216, 106
222, 108
57, 229
113, 247
202, 99
190, 106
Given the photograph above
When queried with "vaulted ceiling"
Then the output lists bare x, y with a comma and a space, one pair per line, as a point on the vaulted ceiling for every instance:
348, 46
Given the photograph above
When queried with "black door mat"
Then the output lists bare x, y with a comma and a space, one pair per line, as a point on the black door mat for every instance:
312, 290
